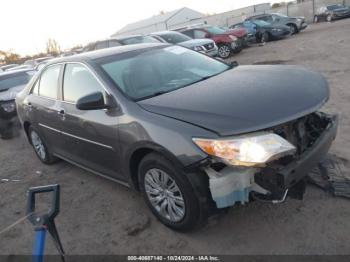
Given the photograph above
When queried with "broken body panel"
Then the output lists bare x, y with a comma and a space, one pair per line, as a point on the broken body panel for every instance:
312, 136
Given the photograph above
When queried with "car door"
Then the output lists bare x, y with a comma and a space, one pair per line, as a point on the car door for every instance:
43, 106
90, 137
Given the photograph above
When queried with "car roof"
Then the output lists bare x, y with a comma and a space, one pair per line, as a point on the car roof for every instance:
165, 32
125, 37
92, 55
14, 72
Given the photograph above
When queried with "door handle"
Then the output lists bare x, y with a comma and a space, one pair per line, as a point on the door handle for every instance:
62, 114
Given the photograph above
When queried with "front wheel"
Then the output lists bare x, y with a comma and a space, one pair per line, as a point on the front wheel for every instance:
293, 29
315, 19
224, 51
168, 193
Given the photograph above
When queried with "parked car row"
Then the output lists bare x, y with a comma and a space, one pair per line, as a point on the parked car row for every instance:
332, 12
214, 40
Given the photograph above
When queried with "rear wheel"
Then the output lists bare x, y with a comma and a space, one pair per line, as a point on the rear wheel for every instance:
168, 193
224, 51
315, 19
40, 147
329, 18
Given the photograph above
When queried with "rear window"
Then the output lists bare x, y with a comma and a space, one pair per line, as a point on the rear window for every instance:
139, 40
18, 79
174, 38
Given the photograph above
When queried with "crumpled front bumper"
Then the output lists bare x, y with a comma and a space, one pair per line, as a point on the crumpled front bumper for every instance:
234, 184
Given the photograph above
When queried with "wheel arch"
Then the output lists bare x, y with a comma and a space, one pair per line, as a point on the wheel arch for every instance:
26, 125
138, 152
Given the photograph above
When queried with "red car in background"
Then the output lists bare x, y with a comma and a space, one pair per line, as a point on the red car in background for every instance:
228, 41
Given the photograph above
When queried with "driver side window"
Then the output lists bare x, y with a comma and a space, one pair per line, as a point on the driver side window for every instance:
78, 82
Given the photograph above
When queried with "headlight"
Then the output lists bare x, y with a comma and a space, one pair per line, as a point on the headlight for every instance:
247, 150
9, 107
232, 37
198, 48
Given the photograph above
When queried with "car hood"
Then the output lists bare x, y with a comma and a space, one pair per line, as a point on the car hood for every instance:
10, 94
196, 42
244, 99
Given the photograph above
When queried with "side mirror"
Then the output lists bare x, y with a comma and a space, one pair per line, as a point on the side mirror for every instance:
207, 35
92, 101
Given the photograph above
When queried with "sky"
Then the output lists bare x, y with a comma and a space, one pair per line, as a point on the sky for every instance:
28, 24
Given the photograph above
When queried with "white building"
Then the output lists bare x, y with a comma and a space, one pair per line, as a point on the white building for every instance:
160, 22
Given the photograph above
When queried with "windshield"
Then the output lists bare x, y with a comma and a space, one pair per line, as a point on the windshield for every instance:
9, 81
175, 38
160, 70
261, 23
214, 30
333, 7
138, 40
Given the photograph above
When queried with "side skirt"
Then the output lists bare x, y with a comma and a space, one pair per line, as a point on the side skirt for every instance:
94, 172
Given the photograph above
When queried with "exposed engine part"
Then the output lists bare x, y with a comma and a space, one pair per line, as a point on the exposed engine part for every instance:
303, 132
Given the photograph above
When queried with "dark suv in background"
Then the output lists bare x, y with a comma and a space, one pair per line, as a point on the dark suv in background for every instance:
296, 24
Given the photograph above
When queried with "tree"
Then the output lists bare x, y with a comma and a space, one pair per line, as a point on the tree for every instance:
52, 47
9, 57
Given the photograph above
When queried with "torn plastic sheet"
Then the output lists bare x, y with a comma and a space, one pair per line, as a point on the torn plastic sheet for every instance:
332, 175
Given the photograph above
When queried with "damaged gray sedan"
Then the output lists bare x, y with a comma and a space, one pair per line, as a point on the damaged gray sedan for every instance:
193, 134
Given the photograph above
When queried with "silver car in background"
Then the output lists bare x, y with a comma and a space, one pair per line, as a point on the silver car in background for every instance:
206, 46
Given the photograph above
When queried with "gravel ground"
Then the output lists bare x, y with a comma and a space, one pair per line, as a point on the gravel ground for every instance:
100, 217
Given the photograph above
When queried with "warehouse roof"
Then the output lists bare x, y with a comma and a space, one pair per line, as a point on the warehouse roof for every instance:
162, 18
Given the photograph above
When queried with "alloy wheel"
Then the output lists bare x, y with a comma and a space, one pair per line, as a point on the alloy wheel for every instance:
224, 51
292, 29
164, 195
38, 145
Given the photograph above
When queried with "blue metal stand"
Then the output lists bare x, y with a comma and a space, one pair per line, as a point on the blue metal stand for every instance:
39, 244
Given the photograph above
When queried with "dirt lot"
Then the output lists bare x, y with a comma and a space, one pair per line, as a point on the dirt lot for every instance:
100, 217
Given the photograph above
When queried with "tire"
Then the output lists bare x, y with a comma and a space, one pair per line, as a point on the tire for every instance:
316, 19
265, 37
293, 29
168, 193
40, 147
329, 18
224, 51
